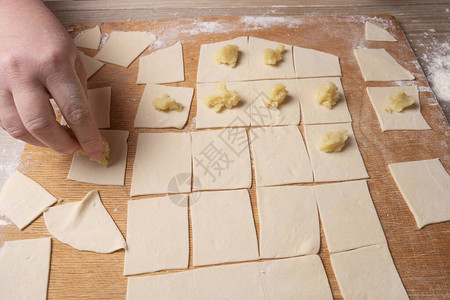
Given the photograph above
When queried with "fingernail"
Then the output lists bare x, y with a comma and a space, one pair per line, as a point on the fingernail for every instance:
96, 155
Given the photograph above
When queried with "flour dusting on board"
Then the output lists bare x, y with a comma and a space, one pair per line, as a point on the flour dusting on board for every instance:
4, 222
265, 22
11, 152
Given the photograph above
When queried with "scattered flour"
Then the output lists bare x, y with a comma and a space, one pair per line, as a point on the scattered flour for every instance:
4, 222
11, 152
254, 23
115, 209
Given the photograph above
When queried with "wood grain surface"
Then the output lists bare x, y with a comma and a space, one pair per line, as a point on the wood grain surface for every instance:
422, 257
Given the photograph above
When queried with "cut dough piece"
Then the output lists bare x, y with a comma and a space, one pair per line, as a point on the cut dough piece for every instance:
409, 119
314, 113
157, 235
379, 65
149, 117
425, 186
348, 216
236, 116
289, 221
162, 66
223, 228
25, 269
280, 156
22, 200
89, 38
287, 113
295, 278
368, 273
313, 63
122, 48
337, 166
85, 225
221, 159
257, 68
210, 71
91, 65
160, 159
375, 33
85, 170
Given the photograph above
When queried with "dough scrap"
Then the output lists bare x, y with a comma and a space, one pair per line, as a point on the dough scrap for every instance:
375, 33
157, 235
313, 63
149, 117
89, 38
280, 156
368, 273
122, 48
25, 266
345, 165
425, 186
379, 65
160, 159
22, 200
85, 225
288, 220
91, 65
408, 119
223, 227
348, 216
162, 66
84, 170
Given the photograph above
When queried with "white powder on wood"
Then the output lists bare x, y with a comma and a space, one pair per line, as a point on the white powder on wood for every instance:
11, 151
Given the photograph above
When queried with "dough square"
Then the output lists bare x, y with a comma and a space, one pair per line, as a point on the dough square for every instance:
345, 165
280, 156
122, 47
22, 199
221, 159
91, 65
409, 119
314, 63
89, 38
157, 235
162, 164
289, 221
314, 113
210, 71
258, 70
375, 33
348, 216
162, 66
149, 117
425, 186
287, 113
368, 273
85, 170
223, 227
237, 116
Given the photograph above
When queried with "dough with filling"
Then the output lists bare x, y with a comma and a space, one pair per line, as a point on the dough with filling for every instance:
89, 38
91, 65
314, 63
375, 33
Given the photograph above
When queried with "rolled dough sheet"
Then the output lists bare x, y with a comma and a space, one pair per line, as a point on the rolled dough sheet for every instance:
348, 216
157, 235
122, 47
89, 38
314, 63
314, 113
85, 170
375, 33
368, 273
22, 200
234, 117
345, 165
257, 68
25, 266
409, 119
161, 158
223, 228
287, 113
162, 66
288, 220
221, 159
379, 65
425, 186
91, 65
280, 156
210, 71
85, 225
149, 117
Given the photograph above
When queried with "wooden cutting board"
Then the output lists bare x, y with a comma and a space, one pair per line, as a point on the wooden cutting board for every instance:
422, 256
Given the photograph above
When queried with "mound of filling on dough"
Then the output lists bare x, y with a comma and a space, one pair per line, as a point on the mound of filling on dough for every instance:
399, 101
272, 56
333, 141
105, 159
223, 98
227, 55
328, 95
276, 95
166, 103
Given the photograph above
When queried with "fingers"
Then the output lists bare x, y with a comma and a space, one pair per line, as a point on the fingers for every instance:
81, 72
